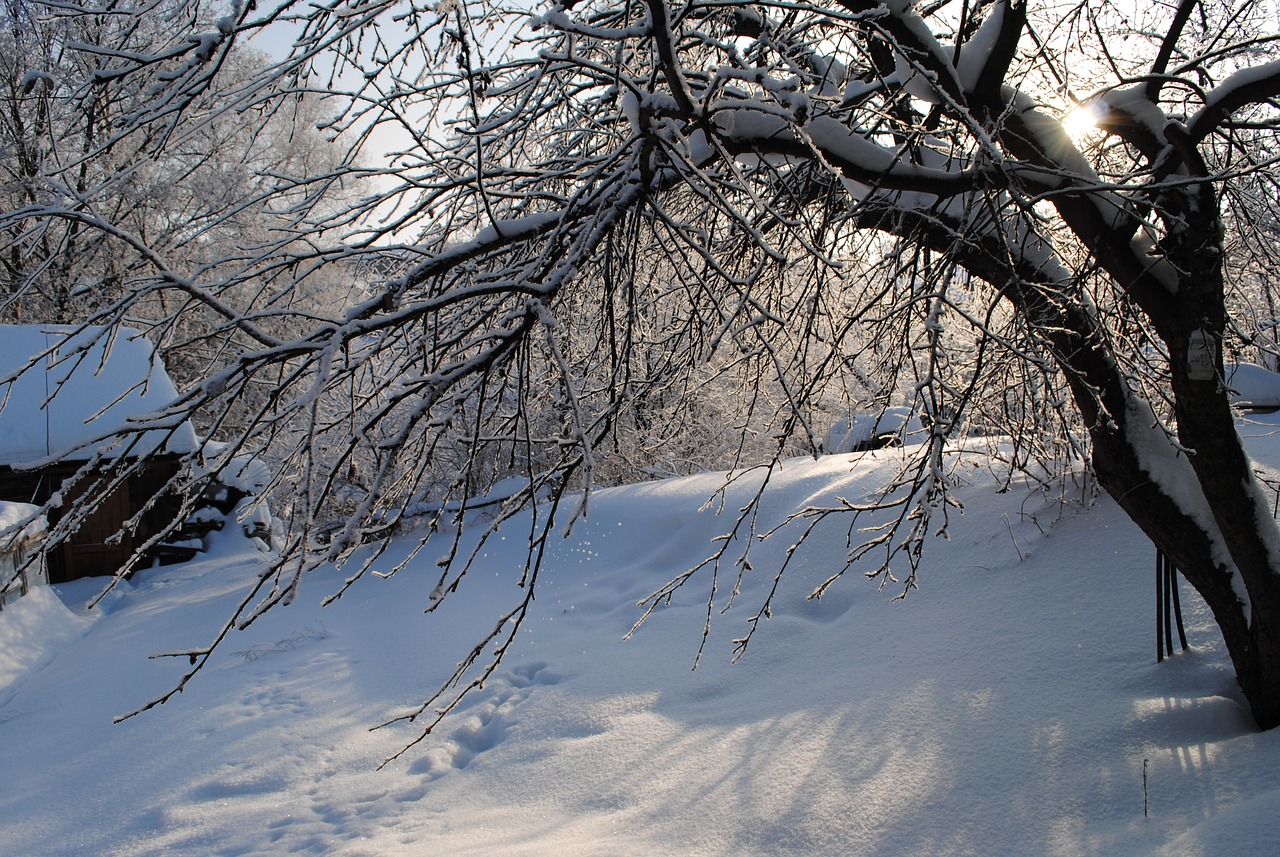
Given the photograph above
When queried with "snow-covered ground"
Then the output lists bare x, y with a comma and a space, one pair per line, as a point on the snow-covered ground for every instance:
1011, 706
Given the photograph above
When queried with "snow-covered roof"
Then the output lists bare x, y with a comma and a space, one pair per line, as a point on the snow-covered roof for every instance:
860, 430
13, 515
1253, 386
91, 386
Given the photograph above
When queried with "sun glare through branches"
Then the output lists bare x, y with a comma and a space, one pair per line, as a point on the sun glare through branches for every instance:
1081, 122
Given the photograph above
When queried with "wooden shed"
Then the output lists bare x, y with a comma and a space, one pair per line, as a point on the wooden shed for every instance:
86, 384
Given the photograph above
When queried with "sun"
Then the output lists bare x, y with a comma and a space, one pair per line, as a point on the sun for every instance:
1081, 122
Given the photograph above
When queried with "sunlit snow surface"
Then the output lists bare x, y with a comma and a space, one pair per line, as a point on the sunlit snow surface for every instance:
1008, 707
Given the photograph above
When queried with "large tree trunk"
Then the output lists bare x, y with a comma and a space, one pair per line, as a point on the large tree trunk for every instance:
1196, 498
1206, 428
1238, 579
1249, 630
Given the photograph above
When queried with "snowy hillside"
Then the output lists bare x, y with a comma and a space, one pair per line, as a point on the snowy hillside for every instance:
1011, 706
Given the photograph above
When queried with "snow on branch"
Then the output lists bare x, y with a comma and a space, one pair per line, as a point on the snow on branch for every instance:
1254, 85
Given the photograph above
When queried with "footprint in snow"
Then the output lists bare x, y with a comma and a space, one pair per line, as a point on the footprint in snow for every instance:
484, 724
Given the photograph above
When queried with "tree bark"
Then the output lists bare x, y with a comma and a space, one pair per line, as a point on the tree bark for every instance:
1209, 440
1205, 424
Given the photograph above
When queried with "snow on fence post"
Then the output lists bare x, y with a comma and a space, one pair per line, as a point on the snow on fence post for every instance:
21, 559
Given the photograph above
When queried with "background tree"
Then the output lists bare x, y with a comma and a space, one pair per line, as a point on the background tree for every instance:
207, 190
589, 208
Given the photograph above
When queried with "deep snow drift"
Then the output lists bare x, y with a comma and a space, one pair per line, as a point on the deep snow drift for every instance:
1011, 706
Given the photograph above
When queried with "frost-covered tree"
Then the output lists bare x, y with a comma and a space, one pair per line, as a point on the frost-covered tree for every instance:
590, 209
200, 192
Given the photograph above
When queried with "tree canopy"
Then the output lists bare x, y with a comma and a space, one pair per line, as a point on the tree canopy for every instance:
604, 229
